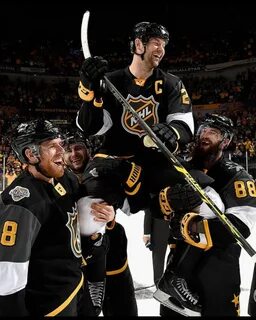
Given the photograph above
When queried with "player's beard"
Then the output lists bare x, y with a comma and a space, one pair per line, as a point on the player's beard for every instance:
201, 155
50, 170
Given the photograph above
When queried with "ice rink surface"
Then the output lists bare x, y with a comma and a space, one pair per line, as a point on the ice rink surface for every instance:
140, 264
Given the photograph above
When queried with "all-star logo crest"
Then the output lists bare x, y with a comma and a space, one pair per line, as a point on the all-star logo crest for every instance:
19, 193
146, 109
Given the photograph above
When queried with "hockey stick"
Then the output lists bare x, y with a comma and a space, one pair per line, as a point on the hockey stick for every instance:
84, 35
177, 165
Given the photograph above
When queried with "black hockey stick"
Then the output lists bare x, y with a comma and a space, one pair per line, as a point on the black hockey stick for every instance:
177, 165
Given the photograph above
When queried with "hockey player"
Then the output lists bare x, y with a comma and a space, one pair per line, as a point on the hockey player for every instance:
40, 244
93, 242
76, 155
207, 255
127, 155
118, 290
40, 256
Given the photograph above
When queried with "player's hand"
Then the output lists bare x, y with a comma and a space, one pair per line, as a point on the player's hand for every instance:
94, 69
102, 212
147, 242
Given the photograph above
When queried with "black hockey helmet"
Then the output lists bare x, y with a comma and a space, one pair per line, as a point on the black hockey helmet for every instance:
32, 133
223, 123
74, 136
146, 30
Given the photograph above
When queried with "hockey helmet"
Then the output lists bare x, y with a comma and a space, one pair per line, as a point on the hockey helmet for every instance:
75, 136
146, 30
223, 123
32, 133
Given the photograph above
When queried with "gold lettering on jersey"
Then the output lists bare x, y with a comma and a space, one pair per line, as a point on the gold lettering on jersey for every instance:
8, 237
146, 109
60, 189
184, 96
245, 189
158, 88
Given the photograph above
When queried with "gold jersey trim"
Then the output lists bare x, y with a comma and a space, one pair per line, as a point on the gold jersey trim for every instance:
67, 301
117, 271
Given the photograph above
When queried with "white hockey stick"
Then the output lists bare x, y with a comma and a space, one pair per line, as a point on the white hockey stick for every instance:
84, 35
177, 165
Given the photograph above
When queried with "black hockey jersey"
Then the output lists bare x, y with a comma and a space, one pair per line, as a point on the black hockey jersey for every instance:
40, 243
161, 98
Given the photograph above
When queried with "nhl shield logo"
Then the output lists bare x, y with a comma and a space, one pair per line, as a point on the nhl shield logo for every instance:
147, 110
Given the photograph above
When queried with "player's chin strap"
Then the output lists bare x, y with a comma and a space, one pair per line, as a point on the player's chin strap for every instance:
195, 231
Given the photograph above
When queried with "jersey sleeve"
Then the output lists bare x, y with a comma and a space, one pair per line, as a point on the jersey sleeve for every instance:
89, 118
180, 114
18, 229
239, 199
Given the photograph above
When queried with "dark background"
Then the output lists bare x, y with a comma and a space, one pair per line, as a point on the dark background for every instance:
58, 19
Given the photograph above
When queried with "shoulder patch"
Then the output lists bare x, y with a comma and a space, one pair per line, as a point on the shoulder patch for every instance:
19, 193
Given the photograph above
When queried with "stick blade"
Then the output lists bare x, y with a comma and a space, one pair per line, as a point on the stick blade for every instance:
84, 34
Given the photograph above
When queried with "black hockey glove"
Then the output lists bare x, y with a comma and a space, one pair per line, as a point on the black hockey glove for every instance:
92, 71
167, 134
127, 173
94, 247
180, 198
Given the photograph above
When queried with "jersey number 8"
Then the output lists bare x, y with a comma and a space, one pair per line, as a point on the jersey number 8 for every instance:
8, 237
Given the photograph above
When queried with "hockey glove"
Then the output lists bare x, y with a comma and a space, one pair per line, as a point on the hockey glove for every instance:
92, 71
191, 228
127, 173
179, 199
94, 247
167, 134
